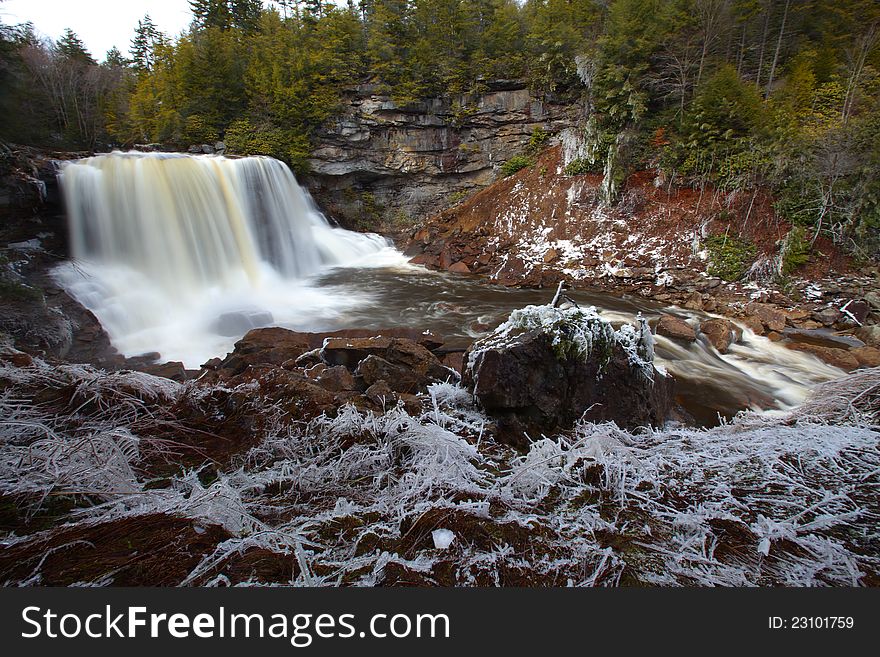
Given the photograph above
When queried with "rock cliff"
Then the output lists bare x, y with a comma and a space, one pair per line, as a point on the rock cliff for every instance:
384, 163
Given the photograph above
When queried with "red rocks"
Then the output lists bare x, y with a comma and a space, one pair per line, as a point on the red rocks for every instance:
836, 357
867, 356
720, 333
772, 319
459, 268
675, 328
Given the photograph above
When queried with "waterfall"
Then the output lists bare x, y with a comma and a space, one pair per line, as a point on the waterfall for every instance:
177, 254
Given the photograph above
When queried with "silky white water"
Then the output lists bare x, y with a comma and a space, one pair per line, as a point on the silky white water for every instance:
181, 254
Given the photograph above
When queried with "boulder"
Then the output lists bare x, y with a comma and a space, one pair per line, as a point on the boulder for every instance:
694, 302
334, 379
873, 300
675, 328
754, 323
173, 370
841, 358
827, 316
856, 311
459, 268
772, 319
720, 333
870, 335
375, 369
264, 346
239, 322
867, 356
402, 352
546, 368
823, 338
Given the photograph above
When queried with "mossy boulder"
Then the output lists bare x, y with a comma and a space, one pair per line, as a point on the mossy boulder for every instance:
546, 368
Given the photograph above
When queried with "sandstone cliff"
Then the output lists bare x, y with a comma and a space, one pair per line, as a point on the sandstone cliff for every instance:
383, 163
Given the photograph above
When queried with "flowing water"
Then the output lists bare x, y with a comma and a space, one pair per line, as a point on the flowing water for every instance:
181, 255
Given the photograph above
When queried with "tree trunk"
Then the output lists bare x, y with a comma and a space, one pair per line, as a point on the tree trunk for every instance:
778, 45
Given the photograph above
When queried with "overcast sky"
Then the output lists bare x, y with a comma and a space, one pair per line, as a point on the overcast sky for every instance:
101, 24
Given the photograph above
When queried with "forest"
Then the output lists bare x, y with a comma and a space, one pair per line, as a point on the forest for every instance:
741, 94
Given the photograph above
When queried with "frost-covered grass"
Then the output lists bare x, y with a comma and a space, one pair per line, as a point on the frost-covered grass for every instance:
356, 499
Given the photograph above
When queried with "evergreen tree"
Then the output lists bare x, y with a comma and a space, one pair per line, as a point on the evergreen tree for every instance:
147, 38
71, 47
114, 58
211, 13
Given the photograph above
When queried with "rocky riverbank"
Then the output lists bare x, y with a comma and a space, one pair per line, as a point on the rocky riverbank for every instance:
541, 226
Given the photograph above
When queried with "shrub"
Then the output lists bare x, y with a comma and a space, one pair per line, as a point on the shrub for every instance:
538, 140
729, 256
516, 163
795, 250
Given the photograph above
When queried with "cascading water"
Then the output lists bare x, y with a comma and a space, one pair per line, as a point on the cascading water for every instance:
177, 254
181, 255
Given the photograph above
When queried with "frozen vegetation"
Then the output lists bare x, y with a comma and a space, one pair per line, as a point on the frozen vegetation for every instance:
365, 499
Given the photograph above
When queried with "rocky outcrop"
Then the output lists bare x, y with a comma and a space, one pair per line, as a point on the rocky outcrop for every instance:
546, 368
380, 162
307, 374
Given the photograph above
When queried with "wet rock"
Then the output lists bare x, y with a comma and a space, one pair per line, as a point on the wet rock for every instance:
754, 323
796, 316
459, 268
873, 300
173, 370
694, 301
405, 353
381, 394
870, 335
239, 322
828, 316
533, 376
773, 336
823, 338
720, 333
265, 346
335, 379
374, 369
771, 318
841, 358
675, 328
867, 356
454, 360
856, 311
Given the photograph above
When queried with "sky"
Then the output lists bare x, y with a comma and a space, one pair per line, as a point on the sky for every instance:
101, 24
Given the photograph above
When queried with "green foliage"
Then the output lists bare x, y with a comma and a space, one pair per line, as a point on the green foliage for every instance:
720, 134
516, 163
244, 138
729, 256
538, 140
199, 131
795, 250
579, 166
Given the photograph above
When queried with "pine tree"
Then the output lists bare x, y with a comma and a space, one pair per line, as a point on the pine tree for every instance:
146, 39
211, 13
71, 47
115, 59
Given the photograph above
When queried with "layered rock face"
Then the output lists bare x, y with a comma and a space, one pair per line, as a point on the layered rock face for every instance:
546, 368
380, 162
